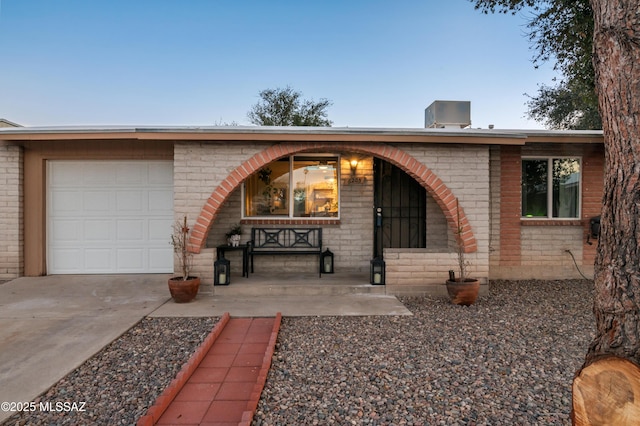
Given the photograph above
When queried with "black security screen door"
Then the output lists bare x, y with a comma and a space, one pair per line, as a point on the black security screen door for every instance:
400, 209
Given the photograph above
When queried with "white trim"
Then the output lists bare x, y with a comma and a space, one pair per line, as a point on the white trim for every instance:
550, 159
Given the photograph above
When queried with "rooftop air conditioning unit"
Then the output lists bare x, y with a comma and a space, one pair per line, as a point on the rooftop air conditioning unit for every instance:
448, 114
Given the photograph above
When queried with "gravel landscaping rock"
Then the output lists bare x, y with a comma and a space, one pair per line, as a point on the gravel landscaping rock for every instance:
508, 359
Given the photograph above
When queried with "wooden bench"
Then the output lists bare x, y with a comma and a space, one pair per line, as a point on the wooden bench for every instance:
286, 241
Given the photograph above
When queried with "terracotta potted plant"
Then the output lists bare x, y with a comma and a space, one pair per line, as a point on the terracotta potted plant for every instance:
233, 236
183, 288
462, 289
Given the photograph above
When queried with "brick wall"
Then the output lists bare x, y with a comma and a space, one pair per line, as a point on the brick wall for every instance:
438, 232
465, 170
495, 205
592, 190
200, 167
11, 212
523, 249
350, 241
510, 205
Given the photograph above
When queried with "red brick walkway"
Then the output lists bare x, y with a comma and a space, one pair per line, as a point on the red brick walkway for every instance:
222, 383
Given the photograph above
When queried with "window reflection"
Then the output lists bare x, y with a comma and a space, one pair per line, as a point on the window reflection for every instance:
266, 191
315, 192
311, 182
551, 187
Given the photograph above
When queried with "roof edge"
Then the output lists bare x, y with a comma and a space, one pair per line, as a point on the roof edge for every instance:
270, 133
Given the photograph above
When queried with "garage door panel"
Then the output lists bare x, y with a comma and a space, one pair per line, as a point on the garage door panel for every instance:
159, 259
160, 231
65, 230
131, 230
97, 260
131, 201
66, 201
127, 175
160, 202
62, 176
130, 260
161, 174
97, 173
98, 231
96, 201
109, 216
66, 260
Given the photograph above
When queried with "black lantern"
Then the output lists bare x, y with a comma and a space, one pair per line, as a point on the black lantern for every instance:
326, 262
221, 271
377, 271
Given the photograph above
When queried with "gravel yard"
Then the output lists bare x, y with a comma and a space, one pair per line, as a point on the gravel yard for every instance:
508, 359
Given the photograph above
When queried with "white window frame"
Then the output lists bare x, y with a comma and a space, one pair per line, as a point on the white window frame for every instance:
550, 186
290, 215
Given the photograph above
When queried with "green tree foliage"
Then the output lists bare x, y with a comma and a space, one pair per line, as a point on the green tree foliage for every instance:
569, 105
285, 107
560, 31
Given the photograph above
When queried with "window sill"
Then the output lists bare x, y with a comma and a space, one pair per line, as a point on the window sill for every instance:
290, 221
550, 222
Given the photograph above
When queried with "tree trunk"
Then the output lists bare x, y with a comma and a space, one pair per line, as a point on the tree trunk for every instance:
607, 392
616, 59
617, 64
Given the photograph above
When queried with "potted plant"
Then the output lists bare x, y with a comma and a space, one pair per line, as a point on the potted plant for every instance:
462, 289
183, 288
233, 236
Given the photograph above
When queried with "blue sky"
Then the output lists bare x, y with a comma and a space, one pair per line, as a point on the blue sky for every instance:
203, 62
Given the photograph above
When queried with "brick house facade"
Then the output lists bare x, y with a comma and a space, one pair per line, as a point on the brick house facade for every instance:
481, 169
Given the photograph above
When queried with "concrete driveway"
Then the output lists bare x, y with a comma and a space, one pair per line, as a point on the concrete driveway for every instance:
51, 325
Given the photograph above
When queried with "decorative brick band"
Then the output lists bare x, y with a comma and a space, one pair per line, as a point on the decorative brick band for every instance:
252, 405
421, 173
551, 222
510, 206
285, 221
164, 400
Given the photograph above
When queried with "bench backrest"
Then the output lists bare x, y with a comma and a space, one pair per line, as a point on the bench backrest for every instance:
289, 239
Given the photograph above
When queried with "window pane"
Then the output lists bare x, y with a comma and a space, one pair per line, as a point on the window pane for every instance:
267, 191
534, 188
566, 187
315, 183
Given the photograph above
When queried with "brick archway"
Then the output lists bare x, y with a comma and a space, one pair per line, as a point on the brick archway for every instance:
428, 179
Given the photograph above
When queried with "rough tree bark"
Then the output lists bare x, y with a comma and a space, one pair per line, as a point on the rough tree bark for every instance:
616, 57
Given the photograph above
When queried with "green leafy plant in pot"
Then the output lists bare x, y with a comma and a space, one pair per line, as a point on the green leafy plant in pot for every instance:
183, 288
462, 290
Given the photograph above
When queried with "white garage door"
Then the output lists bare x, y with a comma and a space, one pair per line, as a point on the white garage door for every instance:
109, 217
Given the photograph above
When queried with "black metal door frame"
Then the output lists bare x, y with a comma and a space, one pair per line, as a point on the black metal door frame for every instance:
400, 209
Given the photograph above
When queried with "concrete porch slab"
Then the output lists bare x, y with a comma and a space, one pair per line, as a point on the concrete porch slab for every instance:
291, 306
293, 295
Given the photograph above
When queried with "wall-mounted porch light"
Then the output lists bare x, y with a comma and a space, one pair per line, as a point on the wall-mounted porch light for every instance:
354, 167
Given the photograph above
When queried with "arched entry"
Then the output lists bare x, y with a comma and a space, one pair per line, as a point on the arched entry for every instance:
421, 173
